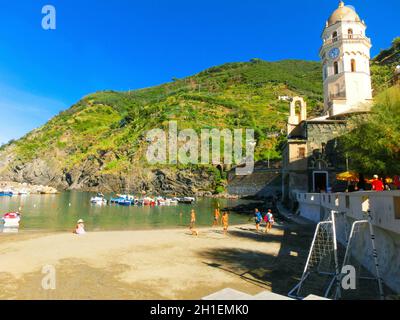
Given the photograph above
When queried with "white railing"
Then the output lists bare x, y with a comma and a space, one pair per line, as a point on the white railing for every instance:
383, 206
347, 38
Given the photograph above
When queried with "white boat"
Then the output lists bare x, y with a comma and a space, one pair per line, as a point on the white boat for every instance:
98, 200
187, 200
173, 202
11, 220
23, 192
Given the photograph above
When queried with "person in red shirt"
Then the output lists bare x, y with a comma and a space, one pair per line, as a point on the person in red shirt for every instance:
397, 182
377, 185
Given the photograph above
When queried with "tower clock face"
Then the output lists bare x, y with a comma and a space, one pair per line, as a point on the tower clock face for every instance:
334, 53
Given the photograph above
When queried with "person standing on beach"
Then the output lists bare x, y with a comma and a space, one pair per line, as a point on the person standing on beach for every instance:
225, 222
192, 219
258, 219
269, 218
216, 217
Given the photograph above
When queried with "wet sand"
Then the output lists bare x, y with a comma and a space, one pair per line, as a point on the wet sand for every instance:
159, 264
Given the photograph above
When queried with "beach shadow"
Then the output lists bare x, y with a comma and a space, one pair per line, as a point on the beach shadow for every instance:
256, 236
278, 273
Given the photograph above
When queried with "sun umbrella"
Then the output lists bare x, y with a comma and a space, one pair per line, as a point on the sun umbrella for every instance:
347, 176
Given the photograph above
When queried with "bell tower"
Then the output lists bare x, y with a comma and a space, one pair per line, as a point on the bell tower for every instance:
345, 56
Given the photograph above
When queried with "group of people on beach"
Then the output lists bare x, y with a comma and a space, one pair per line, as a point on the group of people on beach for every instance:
224, 220
268, 218
216, 222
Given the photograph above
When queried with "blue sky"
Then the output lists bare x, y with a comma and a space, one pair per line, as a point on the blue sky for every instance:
128, 44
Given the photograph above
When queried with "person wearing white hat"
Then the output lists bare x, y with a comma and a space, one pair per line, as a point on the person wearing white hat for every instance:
80, 227
377, 184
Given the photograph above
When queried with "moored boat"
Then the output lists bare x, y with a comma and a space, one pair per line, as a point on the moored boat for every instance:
125, 202
11, 220
6, 193
187, 200
98, 200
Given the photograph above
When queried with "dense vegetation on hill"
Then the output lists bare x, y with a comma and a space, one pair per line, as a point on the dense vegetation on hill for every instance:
383, 65
374, 143
236, 95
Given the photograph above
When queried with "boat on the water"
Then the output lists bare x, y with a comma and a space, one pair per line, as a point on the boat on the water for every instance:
125, 202
172, 202
187, 200
149, 201
11, 220
129, 200
6, 193
99, 199
115, 200
23, 192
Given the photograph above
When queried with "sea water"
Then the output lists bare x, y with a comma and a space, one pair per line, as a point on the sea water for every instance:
61, 212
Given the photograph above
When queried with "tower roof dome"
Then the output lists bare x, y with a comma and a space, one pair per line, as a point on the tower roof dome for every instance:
343, 13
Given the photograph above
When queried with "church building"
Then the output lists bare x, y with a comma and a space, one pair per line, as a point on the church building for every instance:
310, 157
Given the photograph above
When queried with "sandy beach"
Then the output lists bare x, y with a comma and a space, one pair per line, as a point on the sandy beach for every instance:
155, 264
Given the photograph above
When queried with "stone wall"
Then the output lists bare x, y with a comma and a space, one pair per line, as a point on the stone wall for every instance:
261, 183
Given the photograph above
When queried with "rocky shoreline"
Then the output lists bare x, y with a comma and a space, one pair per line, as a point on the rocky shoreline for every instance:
26, 188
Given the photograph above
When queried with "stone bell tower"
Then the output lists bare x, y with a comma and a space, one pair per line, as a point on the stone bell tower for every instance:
345, 55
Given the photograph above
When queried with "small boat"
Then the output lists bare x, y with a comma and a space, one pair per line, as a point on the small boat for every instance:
149, 202
11, 220
116, 200
126, 196
125, 202
23, 193
173, 202
160, 201
98, 200
6, 193
187, 200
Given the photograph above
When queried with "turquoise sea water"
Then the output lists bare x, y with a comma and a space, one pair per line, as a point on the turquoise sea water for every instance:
60, 213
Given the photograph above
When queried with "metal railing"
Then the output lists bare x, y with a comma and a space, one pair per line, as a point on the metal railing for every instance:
347, 37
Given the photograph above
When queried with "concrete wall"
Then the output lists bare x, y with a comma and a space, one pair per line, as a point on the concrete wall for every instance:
262, 182
349, 207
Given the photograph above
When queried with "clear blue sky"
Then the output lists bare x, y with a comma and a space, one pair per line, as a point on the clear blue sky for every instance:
128, 44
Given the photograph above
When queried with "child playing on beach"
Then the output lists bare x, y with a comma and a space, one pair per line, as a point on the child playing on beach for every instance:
225, 222
216, 217
269, 219
80, 227
258, 219
192, 219
192, 223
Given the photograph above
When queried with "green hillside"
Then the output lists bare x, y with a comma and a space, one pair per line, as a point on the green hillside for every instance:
237, 95
383, 66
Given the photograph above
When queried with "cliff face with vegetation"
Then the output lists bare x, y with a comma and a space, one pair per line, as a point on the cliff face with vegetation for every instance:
99, 144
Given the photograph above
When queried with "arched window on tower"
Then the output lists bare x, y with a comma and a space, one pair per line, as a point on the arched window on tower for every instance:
334, 36
353, 65
350, 33
336, 67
